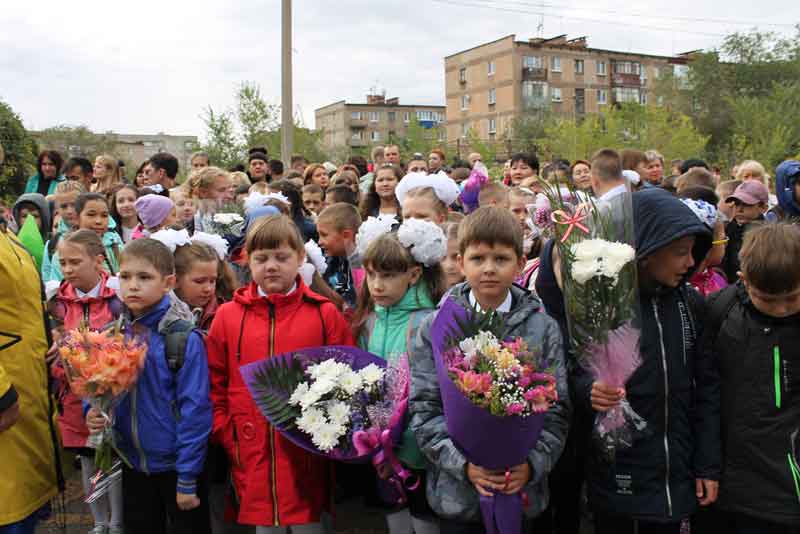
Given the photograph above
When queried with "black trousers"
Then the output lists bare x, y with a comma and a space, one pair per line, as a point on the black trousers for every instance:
150, 508
609, 524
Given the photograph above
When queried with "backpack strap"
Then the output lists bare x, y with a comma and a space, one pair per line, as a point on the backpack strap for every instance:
719, 306
176, 335
414, 321
318, 304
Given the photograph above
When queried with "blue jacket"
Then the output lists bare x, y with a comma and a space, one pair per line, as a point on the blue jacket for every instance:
33, 184
786, 176
163, 424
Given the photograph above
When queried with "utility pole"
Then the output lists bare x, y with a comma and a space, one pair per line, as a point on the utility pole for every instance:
287, 120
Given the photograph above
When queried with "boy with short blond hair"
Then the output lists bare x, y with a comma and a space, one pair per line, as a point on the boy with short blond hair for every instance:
337, 226
755, 340
494, 194
490, 246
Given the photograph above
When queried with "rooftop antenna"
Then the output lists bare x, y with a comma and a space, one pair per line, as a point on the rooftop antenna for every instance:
540, 27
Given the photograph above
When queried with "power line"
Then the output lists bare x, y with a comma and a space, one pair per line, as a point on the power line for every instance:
462, 3
645, 15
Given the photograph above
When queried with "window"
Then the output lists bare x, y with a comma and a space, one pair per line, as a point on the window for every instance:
427, 115
492, 97
357, 135
464, 129
578, 66
406, 117
602, 96
391, 115
534, 93
490, 69
627, 94
462, 75
657, 72
375, 136
532, 62
643, 98
556, 94
374, 116
492, 126
555, 64
600, 67
356, 116
627, 67
464, 102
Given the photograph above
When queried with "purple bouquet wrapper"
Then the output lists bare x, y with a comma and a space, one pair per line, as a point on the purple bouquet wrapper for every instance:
486, 440
354, 357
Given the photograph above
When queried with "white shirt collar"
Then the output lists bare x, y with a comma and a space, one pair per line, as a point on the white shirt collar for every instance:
505, 307
262, 293
614, 192
92, 293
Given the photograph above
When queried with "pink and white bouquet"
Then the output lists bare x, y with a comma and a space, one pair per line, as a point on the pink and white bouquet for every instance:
500, 376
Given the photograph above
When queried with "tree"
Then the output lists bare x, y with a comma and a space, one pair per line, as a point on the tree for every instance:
746, 65
20, 153
487, 150
626, 126
221, 145
418, 139
253, 122
76, 141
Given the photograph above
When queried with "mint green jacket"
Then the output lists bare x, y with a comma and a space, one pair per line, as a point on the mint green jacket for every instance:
388, 333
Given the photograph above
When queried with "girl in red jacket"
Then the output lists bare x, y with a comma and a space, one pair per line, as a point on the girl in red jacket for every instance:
277, 483
84, 297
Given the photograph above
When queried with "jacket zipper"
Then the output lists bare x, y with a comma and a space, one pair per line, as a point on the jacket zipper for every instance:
795, 474
666, 404
776, 357
273, 478
135, 429
385, 334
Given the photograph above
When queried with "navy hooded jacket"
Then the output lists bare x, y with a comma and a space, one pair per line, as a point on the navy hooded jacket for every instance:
786, 176
676, 388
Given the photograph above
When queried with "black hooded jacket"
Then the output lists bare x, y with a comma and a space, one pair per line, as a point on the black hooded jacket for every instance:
676, 388
759, 362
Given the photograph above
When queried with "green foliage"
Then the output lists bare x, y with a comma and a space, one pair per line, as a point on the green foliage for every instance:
20, 153
63, 136
475, 322
488, 151
275, 382
729, 86
627, 126
253, 122
417, 139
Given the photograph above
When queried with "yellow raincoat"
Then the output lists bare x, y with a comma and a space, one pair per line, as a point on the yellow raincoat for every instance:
28, 469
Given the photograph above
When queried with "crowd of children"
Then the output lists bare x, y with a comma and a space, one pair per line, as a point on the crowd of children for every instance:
219, 272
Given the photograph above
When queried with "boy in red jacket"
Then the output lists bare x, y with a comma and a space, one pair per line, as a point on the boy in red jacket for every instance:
277, 483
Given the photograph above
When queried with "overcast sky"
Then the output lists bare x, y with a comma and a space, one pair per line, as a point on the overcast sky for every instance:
145, 66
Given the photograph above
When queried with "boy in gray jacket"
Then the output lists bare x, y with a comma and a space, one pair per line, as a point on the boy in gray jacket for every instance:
490, 246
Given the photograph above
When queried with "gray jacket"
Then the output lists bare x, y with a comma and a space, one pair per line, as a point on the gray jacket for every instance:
449, 491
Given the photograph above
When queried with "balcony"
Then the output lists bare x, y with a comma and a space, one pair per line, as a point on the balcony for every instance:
625, 80
534, 74
358, 123
534, 102
357, 142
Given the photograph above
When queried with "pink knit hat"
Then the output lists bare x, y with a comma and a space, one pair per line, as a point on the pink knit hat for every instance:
153, 210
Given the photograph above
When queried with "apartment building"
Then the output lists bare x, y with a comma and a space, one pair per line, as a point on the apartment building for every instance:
488, 86
359, 125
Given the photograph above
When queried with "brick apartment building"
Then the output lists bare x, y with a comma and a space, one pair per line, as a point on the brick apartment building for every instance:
360, 125
487, 86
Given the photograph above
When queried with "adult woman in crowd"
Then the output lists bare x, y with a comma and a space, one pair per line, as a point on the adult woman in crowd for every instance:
48, 168
654, 170
106, 173
581, 173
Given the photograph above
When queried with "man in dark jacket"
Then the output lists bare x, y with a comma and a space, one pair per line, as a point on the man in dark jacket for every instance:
654, 485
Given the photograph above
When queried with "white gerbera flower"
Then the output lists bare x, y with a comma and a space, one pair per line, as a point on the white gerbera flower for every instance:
327, 436
322, 386
371, 374
338, 412
310, 420
350, 382
598, 257
299, 392
227, 218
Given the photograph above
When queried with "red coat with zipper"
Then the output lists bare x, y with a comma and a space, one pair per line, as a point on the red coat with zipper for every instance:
277, 482
69, 310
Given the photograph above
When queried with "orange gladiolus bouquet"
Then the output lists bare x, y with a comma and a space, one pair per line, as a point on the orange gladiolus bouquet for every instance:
101, 367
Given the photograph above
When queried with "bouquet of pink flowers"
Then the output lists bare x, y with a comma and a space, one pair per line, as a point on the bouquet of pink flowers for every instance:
500, 376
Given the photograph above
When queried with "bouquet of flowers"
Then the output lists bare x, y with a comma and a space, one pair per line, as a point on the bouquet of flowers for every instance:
494, 384
101, 367
601, 301
222, 219
339, 402
472, 187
